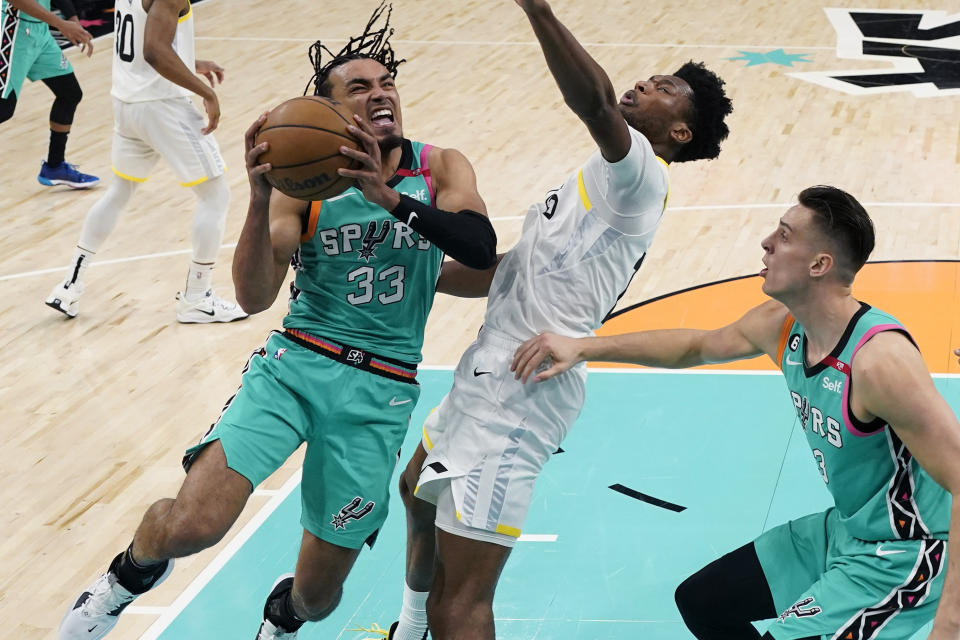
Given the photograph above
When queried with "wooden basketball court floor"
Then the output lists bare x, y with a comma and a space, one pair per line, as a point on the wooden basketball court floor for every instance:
97, 410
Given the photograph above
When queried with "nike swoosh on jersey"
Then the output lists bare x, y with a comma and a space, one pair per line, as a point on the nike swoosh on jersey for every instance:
395, 403
477, 373
789, 361
888, 552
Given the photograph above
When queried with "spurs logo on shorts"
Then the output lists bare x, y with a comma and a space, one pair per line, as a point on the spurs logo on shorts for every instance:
355, 356
350, 512
799, 611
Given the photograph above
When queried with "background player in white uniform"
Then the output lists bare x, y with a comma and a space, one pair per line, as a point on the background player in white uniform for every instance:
486, 443
153, 82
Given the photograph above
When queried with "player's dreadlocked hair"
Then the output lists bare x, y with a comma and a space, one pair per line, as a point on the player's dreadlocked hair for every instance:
710, 106
372, 43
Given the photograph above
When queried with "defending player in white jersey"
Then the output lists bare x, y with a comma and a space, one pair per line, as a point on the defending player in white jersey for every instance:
153, 82
485, 445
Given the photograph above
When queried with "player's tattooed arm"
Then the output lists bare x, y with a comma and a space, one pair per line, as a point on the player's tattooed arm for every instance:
585, 86
754, 334
891, 381
158, 35
270, 235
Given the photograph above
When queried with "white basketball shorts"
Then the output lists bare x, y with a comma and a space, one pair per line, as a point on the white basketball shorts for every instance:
490, 437
143, 132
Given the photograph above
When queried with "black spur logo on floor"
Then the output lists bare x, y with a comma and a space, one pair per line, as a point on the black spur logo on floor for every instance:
916, 51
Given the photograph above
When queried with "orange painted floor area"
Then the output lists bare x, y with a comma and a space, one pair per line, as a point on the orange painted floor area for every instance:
923, 295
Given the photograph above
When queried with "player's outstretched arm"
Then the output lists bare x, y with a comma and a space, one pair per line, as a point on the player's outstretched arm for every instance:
757, 332
585, 86
70, 29
158, 35
892, 381
458, 225
270, 235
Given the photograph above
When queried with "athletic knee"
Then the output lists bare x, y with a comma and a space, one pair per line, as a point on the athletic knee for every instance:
188, 532
68, 95
214, 194
318, 602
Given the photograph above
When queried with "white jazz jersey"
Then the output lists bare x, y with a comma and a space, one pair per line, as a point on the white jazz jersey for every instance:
580, 247
133, 79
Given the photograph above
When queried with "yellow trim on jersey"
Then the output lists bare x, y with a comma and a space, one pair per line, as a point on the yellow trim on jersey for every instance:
195, 182
426, 439
126, 177
582, 189
666, 166
189, 13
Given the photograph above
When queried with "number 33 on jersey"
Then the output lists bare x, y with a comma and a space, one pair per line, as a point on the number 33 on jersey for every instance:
360, 268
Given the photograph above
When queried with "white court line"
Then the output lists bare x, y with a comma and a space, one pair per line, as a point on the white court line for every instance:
537, 537
145, 611
708, 207
146, 256
531, 43
170, 613
674, 372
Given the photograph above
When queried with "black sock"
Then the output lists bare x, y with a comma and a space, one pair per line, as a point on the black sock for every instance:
58, 146
134, 577
279, 608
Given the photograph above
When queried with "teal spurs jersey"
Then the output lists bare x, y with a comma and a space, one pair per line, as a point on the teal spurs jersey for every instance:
364, 278
880, 492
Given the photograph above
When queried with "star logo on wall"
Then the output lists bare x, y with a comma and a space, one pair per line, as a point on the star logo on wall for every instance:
776, 56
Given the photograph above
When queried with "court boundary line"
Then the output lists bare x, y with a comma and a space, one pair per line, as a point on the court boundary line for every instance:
496, 219
676, 372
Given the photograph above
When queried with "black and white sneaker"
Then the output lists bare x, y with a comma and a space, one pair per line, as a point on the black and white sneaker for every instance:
98, 608
268, 630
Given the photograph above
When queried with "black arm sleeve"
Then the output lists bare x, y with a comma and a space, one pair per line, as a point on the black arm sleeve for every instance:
66, 8
466, 236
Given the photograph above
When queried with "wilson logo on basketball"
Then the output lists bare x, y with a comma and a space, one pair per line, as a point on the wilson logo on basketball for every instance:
288, 184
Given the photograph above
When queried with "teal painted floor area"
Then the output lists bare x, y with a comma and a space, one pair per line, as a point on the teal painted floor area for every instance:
724, 446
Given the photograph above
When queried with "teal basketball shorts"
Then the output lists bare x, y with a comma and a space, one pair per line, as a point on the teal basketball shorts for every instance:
829, 584
353, 422
33, 53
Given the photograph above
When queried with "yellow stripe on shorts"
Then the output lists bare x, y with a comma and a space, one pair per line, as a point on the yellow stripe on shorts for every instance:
126, 177
195, 182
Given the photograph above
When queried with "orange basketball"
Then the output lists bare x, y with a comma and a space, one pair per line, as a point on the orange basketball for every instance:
305, 136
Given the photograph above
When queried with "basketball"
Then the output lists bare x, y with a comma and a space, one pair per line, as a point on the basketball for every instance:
305, 136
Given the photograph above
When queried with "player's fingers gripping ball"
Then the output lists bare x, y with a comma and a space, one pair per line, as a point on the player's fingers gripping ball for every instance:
305, 136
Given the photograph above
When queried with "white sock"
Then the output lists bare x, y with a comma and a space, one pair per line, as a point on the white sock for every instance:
199, 280
413, 615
